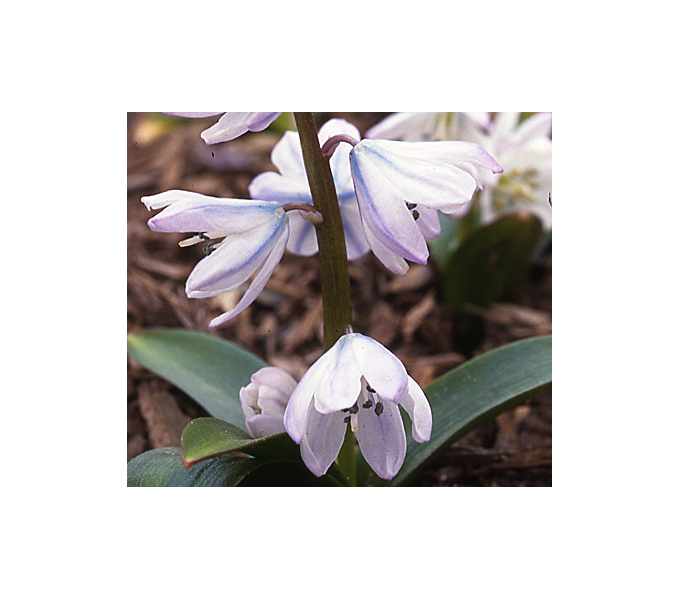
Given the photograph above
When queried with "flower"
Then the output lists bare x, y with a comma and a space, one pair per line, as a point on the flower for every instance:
424, 126
231, 125
264, 401
291, 185
255, 234
400, 186
525, 149
361, 383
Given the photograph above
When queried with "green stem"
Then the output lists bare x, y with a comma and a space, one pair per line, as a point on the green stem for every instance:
330, 234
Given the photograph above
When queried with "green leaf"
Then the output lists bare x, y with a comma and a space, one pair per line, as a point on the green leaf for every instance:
209, 369
206, 437
475, 392
489, 262
163, 467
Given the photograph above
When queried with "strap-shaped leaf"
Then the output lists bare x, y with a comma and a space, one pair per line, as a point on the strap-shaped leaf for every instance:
209, 369
206, 437
163, 467
475, 392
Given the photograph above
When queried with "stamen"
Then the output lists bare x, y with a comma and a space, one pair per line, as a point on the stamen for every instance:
379, 408
367, 404
370, 389
346, 420
416, 215
354, 423
410, 205
354, 409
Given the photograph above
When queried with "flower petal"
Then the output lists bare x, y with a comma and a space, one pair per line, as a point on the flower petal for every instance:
277, 188
190, 212
295, 417
383, 209
391, 260
355, 238
341, 385
418, 408
194, 115
383, 370
276, 378
382, 440
287, 156
302, 240
234, 260
232, 125
263, 425
322, 441
259, 281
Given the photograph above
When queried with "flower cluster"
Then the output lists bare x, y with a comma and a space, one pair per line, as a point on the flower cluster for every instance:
390, 193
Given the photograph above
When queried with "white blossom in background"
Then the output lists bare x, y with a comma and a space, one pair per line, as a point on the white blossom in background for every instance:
525, 151
429, 126
231, 125
264, 401
400, 186
253, 235
359, 384
290, 184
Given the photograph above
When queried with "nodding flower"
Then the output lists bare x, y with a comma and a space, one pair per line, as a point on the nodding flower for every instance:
264, 401
400, 186
231, 125
358, 384
252, 238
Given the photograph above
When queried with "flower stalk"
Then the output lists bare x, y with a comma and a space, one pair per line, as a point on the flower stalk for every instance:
337, 305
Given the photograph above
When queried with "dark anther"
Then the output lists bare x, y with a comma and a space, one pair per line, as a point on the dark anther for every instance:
346, 420
416, 215
345, 410
370, 389
353, 410
367, 404
209, 243
378, 408
411, 205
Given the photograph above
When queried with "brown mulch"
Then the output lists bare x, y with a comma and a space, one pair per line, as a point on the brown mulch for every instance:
283, 326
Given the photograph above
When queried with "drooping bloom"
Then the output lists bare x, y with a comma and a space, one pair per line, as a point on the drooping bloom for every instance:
400, 186
429, 126
254, 235
525, 149
264, 401
290, 184
360, 384
231, 125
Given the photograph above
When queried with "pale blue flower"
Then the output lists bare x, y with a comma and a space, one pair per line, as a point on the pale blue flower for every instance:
264, 401
231, 125
254, 235
430, 126
400, 186
290, 184
360, 384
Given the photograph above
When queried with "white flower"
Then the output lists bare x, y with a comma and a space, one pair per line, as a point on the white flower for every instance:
231, 125
291, 185
255, 235
264, 401
359, 383
525, 150
400, 186
429, 126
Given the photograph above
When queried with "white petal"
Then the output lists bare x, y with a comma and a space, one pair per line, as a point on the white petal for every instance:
391, 260
190, 212
322, 441
429, 222
355, 238
276, 378
194, 115
340, 387
405, 125
339, 162
258, 282
382, 440
383, 209
277, 188
263, 425
295, 418
418, 408
538, 125
233, 124
234, 260
302, 235
383, 370
287, 156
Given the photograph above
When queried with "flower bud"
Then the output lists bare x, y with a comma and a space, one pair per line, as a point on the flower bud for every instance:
264, 401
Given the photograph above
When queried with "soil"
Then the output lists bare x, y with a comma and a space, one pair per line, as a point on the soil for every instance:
283, 326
